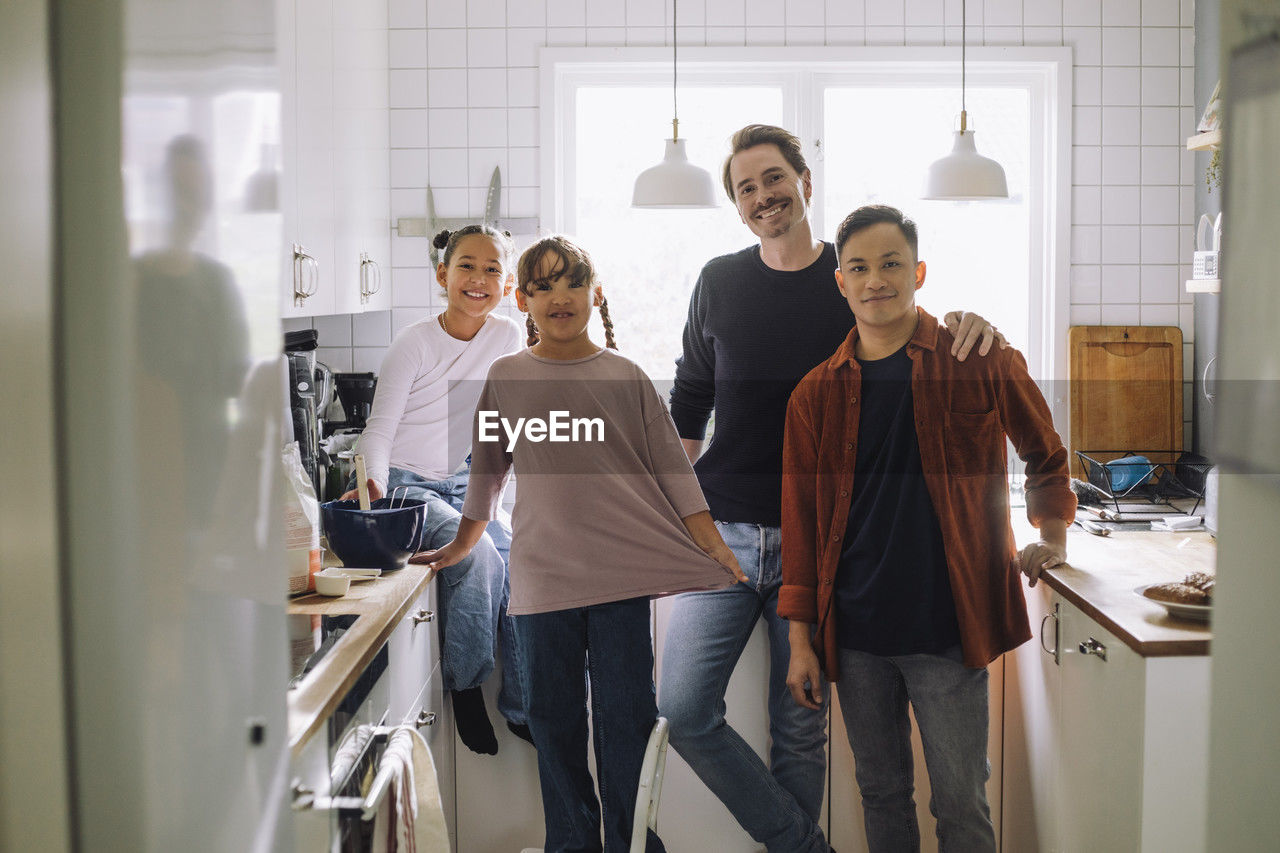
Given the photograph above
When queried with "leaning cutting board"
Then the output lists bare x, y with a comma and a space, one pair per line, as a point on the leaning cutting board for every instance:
1126, 391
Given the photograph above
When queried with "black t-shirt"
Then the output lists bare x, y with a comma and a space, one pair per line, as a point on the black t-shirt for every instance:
893, 596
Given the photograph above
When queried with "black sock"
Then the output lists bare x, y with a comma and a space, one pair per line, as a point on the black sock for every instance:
521, 730
473, 721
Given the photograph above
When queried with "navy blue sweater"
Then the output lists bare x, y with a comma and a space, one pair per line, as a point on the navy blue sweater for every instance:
751, 336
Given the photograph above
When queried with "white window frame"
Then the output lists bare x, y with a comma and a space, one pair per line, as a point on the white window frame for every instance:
803, 73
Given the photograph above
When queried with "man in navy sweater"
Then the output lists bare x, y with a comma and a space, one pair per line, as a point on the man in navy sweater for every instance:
759, 320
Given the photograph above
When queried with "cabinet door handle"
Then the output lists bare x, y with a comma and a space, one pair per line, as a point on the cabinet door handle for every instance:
365, 290
422, 616
425, 718
1054, 616
1093, 647
377, 277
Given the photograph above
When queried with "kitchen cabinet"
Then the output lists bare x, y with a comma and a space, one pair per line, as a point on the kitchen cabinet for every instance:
335, 186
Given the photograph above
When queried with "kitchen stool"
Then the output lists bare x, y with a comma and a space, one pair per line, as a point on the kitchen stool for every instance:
651, 770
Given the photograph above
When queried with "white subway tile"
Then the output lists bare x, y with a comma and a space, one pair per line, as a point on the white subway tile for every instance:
406, 14
606, 36
566, 13
1159, 315
1187, 87
766, 36
451, 203
647, 13
846, 13
523, 44
1160, 283
1002, 13
407, 88
924, 13
1086, 126
1086, 205
526, 13
1085, 284
480, 165
1121, 46
408, 251
1086, 244
1121, 315
1082, 13
487, 87
1120, 245
1186, 204
771, 13
522, 127
1160, 46
1042, 13
1121, 86
1160, 205
448, 129
692, 35
480, 13
925, 36
1160, 86
1160, 126
412, 286
1121, 205
448, 168
1187, 173
846, 36
1086, 164
886, 13
956, 12
445, 13
408, 202
523, 166
407, 128
1186, 46
649, 37
1033, 36
522, 202
886, 35
806, 13
1187, 118
486, 127
486, 48
1160, 13
726, 13
371, 329
407, 49
1121, 126
1160, 164
732, 36
1121, 13
1187, 320
409, 167
1187, 13
447, 87
333, 330
1120, 164
446, 48
1160, 244
1002, 36
606, 13
1119, 281
806, 35
1086, 85
1086, 44
368, 359
692, 13
295, 324
1086, 315
337, 359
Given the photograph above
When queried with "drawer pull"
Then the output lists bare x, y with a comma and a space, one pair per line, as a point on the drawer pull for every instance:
1093, 647
1054, 616
422, 616
425, 718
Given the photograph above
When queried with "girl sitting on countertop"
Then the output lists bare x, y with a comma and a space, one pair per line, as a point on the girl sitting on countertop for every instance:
608, 514
417, 440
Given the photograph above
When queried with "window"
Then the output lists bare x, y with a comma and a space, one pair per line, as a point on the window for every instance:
872, 120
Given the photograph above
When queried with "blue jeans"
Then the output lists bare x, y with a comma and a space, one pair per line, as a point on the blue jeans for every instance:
473, 593
778, 805
950, 702
611, 644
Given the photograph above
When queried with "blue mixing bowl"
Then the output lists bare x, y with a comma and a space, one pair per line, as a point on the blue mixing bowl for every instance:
381, 537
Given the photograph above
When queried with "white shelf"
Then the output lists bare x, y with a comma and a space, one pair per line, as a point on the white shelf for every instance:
1204, 141
1204, 285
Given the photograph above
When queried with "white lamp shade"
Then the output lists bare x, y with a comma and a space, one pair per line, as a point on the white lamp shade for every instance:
675, 182
964, 174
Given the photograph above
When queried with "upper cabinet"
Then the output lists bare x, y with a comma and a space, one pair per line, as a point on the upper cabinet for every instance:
335, 190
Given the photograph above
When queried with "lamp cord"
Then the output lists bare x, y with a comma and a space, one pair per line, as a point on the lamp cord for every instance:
963, 40
675, 46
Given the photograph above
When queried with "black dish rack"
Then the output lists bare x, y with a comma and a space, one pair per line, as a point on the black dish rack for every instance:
1167, 476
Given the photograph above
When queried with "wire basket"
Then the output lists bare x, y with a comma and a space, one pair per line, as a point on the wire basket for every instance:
1147, 482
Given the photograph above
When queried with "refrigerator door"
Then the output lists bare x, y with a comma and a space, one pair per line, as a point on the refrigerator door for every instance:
173, 400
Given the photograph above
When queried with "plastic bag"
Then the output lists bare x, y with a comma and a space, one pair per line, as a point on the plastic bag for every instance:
301, 522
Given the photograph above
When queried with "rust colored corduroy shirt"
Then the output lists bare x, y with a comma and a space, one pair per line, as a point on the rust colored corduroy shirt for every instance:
963, 411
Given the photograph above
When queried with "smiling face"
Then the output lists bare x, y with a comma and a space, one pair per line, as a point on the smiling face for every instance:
879, 275
476, 277
560, 304
771, 197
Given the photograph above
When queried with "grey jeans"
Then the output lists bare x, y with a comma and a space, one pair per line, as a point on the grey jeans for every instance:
950, 703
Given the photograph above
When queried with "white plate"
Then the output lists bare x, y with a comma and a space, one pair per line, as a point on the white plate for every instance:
356, 575
1199, 612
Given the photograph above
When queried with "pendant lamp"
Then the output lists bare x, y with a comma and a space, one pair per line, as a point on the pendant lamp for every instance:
964, 174
675, 182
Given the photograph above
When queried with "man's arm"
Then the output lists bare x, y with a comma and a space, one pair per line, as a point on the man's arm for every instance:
798, 597
693, 394
692, 448
1049, 552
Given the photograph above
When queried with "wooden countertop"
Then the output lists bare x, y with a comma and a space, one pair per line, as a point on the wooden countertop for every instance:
1104, 571
381, 604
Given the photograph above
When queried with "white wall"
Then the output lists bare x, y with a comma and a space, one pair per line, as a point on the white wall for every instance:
464, 98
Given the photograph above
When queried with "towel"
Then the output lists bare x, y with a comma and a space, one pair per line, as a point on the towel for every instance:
411, 818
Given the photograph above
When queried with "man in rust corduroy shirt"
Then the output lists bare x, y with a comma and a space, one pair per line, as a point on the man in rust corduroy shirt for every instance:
900, 575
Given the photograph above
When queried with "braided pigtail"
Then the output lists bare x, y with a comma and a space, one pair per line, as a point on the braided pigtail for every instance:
608, 323
533, 330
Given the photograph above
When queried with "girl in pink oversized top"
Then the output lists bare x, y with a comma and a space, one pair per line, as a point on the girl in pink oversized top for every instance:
608, 514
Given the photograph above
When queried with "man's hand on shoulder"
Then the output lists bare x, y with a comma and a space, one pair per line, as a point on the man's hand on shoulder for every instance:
968, 329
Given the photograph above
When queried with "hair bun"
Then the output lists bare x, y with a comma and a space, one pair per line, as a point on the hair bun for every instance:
441, 240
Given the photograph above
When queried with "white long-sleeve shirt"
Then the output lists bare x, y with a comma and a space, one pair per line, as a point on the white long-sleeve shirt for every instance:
427, 392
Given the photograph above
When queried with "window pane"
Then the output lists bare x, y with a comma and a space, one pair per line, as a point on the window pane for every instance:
648, 260
879, 143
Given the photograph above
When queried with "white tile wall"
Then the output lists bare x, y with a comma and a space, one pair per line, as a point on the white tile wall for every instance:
464, 97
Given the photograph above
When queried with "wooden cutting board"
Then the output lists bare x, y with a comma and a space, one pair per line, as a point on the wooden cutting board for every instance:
1126, 392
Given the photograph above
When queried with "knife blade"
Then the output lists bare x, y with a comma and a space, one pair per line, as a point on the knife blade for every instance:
493, 199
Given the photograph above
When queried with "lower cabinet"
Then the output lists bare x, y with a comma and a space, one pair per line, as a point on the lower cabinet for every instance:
1112, 746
